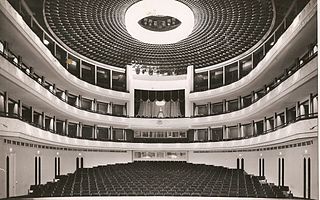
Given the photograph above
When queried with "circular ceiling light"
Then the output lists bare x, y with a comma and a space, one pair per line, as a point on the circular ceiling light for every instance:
155, 9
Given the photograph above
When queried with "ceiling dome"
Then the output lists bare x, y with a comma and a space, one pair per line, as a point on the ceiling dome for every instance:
222, 29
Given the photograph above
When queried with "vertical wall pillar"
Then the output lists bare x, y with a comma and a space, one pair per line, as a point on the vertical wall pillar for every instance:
275, 121
124, 135
43, 123
6, 103
111, 108
224, 132
195, 135
111, 86
240, 134
252, 96
19, 61
254, 128
79, 131
265, 126
95, 75
224, 106
224, 75
111, 133
189, 88
2, 103
54, 123
95, 132
54, 89
209, 134
209, 108
31, 114
311, 108
286, 116
66, 97
94, 105
240, 102
208, 88
298, 109
20, 109
243, 133
66, 129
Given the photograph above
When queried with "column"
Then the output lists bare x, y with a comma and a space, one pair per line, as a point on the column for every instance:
224, 106
275, 121
286, 116
19, 61
80, 69
311, 108
224, 75
111, 133
315, 104
243, 133
195, 135
6, 103
124, 135
43, 123
66, 93
54, 124
51, 124
2, 109
31, 114
240, 102
95, 132
111, 86
208, 80
95, 75
252, 96
239, 72
189, 88
254, 128
225, 132
209, 134
297, 109
240, 133
54, 89
209, 108
43, 79
94, 105
111, 108
66, 129
79, 130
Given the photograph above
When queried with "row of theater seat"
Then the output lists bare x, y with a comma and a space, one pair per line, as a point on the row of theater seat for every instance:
158, 178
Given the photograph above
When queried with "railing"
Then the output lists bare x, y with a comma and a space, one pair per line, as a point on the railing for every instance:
257, 95
246, 63
67, 58
129, 134
50, 86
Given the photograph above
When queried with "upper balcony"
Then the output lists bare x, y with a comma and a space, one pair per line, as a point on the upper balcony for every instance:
289, 42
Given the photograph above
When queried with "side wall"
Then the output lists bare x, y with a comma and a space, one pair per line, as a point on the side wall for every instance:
22, 164
293, 175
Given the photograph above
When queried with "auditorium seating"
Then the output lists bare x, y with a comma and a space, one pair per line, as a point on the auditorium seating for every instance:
158, 178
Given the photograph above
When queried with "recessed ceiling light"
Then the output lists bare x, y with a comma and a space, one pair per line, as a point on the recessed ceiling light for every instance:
153, 9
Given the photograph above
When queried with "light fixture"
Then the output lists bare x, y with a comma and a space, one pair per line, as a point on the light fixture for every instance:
156, 8
46, 42
160, 103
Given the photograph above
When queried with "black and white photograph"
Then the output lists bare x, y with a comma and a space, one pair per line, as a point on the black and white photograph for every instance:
159, 100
